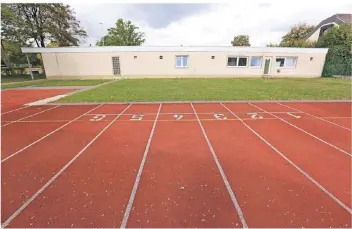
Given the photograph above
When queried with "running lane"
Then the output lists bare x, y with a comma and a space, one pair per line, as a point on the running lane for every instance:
24, 174
326, 131
94, 190
327, 165
180, 184
20, 134
339, 112
25, 112
13, 99
270, 191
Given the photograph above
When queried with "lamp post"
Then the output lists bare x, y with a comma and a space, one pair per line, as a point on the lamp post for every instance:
101, 23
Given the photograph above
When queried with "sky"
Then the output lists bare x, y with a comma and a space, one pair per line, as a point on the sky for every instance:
206, 24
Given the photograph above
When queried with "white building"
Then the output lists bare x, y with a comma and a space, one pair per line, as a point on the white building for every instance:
180, 61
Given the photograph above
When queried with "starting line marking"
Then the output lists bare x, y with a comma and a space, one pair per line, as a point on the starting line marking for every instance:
304, 131
47, 135
255, 116
220, 116
222, 173
98, 117
14, 215
177, 117
139, 174
295, 166
315, 116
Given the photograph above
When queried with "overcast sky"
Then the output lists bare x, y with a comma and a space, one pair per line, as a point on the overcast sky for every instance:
199, 24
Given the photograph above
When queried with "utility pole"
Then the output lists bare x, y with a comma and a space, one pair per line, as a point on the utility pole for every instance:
101, 23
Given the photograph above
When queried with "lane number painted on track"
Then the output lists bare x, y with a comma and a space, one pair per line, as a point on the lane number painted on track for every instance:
255, 116
98, 117
177, 116
220, 116
137, 117
295, 116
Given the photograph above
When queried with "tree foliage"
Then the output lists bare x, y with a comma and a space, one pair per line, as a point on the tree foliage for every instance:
339, 58
241, 40
30, 24
272, 45
40, 23
123, 34
297, 35
337, 35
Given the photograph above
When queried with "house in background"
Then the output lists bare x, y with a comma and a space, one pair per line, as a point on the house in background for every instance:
328, 23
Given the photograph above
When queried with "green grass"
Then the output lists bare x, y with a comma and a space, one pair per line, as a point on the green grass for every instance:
54, 83
216, 89
21, 78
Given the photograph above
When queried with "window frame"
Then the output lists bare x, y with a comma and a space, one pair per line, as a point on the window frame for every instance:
286, 57
238, 60
260, 64
182, 66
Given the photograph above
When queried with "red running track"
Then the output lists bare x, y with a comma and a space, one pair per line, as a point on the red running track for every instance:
84, 174
14, 99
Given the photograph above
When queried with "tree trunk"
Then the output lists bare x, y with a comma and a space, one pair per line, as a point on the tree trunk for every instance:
6, 58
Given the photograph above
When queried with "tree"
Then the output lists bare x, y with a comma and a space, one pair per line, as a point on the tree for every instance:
123, 34
296, 37
41, 23
339, 58
337, 35
241, 40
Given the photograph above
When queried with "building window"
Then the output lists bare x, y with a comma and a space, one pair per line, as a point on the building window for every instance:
212, 57
237, 61
135, 57
181, 61
256, 61
286, 62
160, 57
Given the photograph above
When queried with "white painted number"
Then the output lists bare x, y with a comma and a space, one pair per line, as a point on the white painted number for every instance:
177, 116
295, 116
255, 116
137, 117
220, 116
98, 117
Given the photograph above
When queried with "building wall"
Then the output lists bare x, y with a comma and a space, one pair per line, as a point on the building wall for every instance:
315, 36
147, 64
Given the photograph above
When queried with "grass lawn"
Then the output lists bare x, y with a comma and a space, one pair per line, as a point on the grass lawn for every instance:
21, 78
216, 89
53, 83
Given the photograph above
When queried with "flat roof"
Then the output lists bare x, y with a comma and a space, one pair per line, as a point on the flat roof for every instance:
173, 49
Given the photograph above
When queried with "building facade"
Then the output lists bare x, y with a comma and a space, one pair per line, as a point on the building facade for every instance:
165, 62
326, 24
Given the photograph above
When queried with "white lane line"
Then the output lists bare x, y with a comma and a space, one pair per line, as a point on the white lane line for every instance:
13, 110
296, 166
327, 143
314, 116
14, 215
29, 116
47, 135
139, 174
187, 113
224, 178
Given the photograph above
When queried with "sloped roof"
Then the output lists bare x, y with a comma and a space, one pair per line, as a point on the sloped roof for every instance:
336, 18
346, 18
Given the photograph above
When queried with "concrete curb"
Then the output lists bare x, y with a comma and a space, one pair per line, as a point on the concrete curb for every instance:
57, 97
